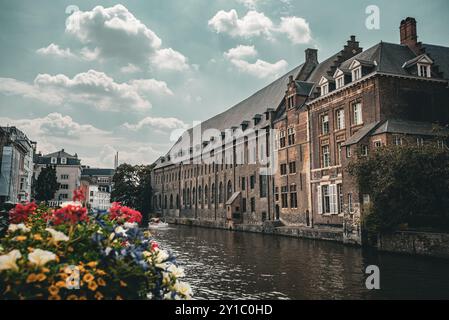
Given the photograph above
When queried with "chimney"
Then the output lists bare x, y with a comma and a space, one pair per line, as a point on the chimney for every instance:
311, 56
409, 35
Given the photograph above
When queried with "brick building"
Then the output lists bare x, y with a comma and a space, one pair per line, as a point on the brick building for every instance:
318, 117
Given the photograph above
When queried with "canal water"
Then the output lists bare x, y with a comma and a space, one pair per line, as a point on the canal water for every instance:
221, 264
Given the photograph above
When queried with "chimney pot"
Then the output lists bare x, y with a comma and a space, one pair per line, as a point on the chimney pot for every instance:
408, 34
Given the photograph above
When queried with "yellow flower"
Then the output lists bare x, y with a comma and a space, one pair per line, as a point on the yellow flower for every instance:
37, 237
45, 270
55, 297
98, 296
123, 284
60, 284
54, 290
41, 277
92, 286
21, 238
63, 275
92, 264
31, 278
88, 277
72, 297
82, 298
100, 272
101, 282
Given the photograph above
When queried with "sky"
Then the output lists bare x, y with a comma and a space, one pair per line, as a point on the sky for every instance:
100, 77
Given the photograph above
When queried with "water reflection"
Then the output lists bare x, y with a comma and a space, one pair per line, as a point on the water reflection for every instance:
233, 265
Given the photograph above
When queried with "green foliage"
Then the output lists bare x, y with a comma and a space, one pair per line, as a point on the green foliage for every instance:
407, 185
46, 184
132, 187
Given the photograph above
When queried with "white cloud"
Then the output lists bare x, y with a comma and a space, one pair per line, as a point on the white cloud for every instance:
90, 55
241, 52
115, 33
260, 68
169, 59
250, 4
91, 88
252, 24
296, 29
130, 68
54, 50
239, 55
156, 122
257, 24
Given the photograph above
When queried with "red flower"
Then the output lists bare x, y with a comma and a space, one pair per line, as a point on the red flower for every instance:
124, 214
78, 195
21, 212
154, 245
69, 214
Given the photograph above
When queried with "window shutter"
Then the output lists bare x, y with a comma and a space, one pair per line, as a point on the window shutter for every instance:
333, 198
320, 200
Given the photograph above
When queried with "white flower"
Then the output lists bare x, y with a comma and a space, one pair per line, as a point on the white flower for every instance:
178, 272
8, 261
120, 230
20, 226
57, 236
71, 203
111, 236
161, 256
41, 257
183, 288
108, 250
129, 225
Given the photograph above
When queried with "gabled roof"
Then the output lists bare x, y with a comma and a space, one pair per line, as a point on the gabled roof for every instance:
440, 57
400, 126
60, 154
421, 58
97, 172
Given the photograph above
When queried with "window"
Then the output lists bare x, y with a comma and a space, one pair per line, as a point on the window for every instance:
63, 196
292, 167
377, 144
243, 183
263, 186
283, 169
326, 199
348, 152
253, 204
324, 89
357, 113
340, 117
340, 197
324, 124
340, 82
364, 150
276, 193
64, 186
284, 197
350, 204
63, 160
252, 181
325, 156
290, 102
243, 204
338, 157
64, 176
293, 197
356, 74
53, 160
291, 136
424, 70
419, 142
282, 139
397, 141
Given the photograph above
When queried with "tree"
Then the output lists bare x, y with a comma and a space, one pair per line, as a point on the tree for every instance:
407, 185
132, 187
46, 184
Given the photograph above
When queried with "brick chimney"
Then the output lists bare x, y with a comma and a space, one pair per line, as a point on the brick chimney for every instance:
312, 55
409, 35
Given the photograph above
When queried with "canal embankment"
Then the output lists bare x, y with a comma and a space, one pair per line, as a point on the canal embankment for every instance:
404, 242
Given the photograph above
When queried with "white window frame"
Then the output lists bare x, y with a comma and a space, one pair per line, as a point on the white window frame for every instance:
54, 160
325, 124
424, 70
325, 156
364, 150
325, 89
377, 143
357, 73
419, 141
340, 117
63, 160
340, 82
357, 118
397, 140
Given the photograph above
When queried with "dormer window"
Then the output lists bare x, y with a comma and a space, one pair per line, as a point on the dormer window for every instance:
356, 73
340, 82
324, 86
424, 70
54, 160
63, 160
290, 102
339, 77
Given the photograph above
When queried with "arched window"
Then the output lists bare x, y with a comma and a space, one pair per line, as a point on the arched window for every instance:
229, 190
165, 202
200, 195
184, 197
188, 196
160, 202
177, 201
220, 193
193, 196
212, 196
171, 201
206, 195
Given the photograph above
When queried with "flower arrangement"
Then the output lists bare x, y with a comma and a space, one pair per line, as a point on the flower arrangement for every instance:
68, 253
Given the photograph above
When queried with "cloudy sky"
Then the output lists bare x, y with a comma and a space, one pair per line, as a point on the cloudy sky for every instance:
96, 77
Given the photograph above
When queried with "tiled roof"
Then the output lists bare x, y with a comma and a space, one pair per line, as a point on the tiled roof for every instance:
410, 127
97, 172
359, 135
440, 57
